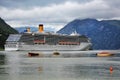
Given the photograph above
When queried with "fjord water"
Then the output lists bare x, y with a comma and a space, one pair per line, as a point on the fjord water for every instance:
18, 66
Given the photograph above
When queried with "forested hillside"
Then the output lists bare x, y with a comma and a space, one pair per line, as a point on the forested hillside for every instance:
5, 30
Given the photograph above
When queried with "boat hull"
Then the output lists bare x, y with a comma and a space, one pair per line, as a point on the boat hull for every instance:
104, 54
82, 46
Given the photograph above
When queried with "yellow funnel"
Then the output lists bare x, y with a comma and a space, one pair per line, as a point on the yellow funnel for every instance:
41, 28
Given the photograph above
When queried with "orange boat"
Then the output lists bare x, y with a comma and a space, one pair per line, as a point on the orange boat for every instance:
104, 54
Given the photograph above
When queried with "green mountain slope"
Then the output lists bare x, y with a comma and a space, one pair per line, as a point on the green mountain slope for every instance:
5, 30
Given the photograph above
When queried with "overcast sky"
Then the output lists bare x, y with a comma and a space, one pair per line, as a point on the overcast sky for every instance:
56, 13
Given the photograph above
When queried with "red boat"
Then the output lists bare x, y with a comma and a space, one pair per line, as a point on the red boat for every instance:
30, 54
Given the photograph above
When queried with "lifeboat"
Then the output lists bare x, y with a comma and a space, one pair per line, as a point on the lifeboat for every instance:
104, 54
39, 41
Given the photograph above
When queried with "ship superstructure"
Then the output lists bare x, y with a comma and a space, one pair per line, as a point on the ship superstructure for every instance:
46, 41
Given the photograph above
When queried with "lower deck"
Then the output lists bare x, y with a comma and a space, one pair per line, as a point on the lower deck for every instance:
82, 46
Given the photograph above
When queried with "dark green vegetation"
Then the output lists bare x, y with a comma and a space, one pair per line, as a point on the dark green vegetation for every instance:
5, 30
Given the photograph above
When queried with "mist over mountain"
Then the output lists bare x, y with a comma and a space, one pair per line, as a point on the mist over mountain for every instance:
23, 29
104, 34
5, 30
33, 29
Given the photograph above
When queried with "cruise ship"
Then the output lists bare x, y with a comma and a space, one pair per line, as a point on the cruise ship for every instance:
46, 41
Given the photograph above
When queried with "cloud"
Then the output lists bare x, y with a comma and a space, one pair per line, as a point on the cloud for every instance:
58, 14
113, 3
31, 3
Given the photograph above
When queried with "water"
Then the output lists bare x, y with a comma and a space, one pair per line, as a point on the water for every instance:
18, 66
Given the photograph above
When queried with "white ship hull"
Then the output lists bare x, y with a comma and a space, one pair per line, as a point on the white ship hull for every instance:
82, 46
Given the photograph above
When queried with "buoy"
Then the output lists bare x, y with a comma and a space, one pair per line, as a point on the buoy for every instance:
111, 69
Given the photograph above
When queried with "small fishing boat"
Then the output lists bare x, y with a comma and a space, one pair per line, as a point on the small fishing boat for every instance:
104, 54
56, 53
30, 54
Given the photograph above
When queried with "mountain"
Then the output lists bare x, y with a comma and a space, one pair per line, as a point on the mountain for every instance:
23, 29
104, 34
33, 29
5, 30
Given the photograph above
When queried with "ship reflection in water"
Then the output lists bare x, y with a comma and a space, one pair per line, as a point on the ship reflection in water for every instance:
87, 66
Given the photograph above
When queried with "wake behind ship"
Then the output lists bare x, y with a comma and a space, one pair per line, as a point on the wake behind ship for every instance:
46, 41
